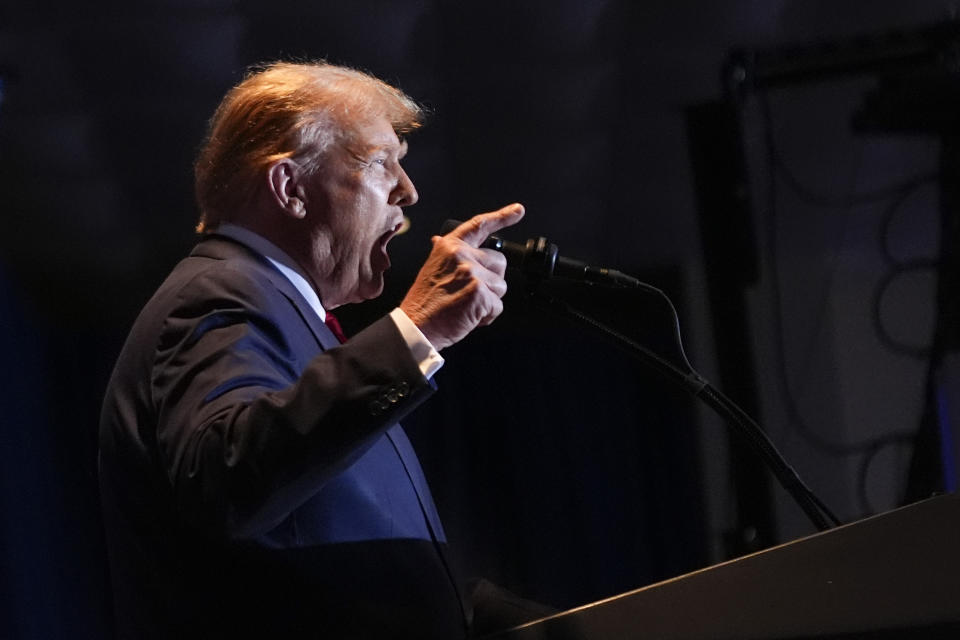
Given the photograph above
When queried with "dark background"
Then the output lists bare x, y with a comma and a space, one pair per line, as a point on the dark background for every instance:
563, 469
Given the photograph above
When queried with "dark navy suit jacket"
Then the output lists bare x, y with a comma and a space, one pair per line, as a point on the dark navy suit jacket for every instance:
253, 477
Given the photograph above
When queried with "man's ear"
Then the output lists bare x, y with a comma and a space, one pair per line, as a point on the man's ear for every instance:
284, 184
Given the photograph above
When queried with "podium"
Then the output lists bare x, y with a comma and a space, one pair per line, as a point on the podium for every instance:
896, 575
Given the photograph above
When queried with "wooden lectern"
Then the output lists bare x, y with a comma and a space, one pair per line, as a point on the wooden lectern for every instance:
896, 575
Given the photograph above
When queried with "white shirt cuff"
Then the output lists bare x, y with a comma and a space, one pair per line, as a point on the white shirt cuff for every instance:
428, 359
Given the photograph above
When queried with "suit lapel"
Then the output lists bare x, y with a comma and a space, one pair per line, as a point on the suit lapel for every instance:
321, 332
225, 248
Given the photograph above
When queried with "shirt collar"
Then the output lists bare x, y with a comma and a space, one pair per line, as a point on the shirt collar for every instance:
278, 258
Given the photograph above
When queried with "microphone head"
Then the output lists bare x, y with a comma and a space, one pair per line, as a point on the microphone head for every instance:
538, 259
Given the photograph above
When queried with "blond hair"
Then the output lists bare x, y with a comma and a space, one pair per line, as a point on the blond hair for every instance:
286, 110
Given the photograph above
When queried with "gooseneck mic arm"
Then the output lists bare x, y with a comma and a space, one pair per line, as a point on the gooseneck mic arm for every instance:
736, 418
538, 259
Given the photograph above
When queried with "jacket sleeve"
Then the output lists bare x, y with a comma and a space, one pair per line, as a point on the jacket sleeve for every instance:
246, 429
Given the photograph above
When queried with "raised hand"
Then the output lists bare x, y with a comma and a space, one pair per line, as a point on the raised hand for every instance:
460, 286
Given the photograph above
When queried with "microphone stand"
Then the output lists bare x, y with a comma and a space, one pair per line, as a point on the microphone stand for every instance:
539, 259
737, 419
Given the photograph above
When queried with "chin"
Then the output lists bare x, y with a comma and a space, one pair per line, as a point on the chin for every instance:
370, 289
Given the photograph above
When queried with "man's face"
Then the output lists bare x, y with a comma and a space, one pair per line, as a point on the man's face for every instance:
356, 199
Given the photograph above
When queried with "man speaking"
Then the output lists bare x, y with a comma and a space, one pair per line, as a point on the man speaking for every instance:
254, 479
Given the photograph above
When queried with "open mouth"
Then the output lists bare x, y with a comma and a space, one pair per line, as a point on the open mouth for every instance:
384, 240
386, 237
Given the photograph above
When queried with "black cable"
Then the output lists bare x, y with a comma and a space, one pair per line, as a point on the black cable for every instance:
887, 221
791, 406
891, 343
677, 336
898, 267
899, 193
689, 379
741, 423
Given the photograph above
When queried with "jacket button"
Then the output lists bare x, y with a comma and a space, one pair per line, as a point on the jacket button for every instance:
377, 406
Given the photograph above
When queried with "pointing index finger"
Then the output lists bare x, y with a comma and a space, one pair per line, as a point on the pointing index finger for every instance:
475, 230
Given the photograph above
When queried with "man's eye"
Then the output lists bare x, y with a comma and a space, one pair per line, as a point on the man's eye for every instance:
380, 161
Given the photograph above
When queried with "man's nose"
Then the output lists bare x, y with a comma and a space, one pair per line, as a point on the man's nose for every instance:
404, 193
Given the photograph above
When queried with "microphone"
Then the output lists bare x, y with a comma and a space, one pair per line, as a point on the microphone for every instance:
540, 259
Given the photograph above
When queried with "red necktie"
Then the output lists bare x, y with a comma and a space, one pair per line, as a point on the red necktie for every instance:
334, 325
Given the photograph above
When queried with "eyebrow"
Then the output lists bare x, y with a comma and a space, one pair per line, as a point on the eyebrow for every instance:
401, 148
375, 148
